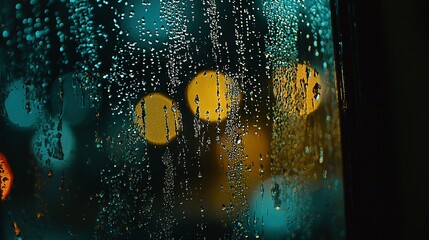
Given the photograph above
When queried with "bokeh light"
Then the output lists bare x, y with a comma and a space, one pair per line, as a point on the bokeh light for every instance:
47, 150
19, 111
209, 93
6, 177
304, 91
144, 23
276, 209
158, 118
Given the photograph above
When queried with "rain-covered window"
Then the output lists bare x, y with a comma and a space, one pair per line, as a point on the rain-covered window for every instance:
144, 119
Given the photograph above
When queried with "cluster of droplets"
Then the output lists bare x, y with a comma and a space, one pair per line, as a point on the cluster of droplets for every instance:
147, 33
282, 37
126, 201
250, 56
168, 221
153, 41
236, 173
39, 32
321, 29
282, 54
86, 34
31, 36
174, 13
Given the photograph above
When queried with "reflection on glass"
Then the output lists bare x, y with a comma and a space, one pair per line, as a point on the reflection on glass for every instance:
169, 119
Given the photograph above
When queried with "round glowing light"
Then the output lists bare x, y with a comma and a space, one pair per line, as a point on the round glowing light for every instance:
209, 93
277, 210
21, 112
158, 118
285, 204
57, 155
144, 23
303, 95
6, 177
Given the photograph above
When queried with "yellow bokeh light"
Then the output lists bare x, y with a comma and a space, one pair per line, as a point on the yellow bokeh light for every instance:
210, 93
158, 118
301, 95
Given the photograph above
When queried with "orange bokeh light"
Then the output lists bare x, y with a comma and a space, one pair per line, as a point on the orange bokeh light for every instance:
256, 165
6, 177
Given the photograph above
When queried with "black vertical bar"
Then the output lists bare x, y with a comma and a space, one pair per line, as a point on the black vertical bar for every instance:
373, 209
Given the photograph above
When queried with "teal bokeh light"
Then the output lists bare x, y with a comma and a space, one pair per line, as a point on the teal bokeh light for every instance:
46, 148
306, 211
144, 24
277, 217
19, 111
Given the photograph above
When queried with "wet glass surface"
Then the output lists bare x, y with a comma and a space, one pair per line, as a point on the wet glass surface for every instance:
197, 119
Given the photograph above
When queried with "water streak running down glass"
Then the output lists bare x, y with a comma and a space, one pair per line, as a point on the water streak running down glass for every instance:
144, 119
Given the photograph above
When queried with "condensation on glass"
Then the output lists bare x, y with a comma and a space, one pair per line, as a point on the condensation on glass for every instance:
143, 119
